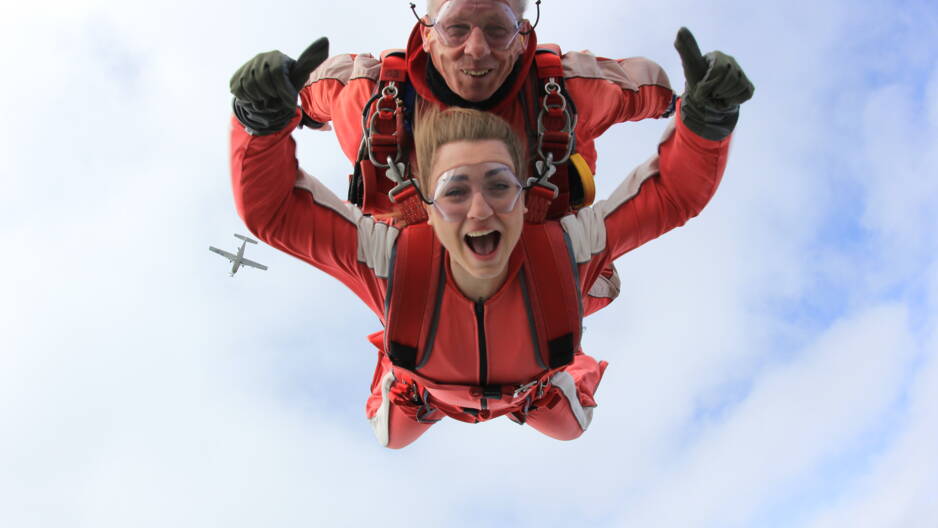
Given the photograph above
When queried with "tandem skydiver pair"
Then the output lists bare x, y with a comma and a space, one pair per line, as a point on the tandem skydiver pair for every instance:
469, 226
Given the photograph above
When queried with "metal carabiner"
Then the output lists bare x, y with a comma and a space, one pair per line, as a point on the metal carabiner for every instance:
389, 91
523, 388
552, 87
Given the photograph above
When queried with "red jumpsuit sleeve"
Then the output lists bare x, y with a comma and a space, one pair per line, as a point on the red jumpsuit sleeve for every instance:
665, 192
609, 91
291, 211
325, 84
337, 91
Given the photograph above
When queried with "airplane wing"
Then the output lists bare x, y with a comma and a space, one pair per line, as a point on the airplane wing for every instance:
246, 239
225, 254
253, 264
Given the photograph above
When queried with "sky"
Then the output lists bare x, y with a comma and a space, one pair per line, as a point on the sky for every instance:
773, 363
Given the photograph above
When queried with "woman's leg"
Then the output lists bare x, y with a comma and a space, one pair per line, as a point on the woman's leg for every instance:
566, 411
395, 415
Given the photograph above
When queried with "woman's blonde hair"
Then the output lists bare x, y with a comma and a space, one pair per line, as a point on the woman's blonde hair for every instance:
435, 128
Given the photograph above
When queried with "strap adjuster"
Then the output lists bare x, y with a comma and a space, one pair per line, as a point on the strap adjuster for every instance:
492, 392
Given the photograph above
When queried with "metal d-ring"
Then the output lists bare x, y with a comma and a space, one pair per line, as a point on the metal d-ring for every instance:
390, 90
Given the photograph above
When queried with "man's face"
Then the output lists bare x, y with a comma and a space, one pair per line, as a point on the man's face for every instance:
466, 45
480, 242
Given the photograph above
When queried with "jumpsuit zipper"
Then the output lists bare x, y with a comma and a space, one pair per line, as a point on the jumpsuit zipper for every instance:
483, 353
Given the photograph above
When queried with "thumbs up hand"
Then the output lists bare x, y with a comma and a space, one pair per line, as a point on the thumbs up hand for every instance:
715, 87
265, 88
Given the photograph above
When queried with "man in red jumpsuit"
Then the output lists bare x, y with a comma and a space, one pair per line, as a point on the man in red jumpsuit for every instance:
290, 210
478, 71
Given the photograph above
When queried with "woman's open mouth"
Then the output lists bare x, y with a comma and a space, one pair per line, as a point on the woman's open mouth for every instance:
483, 243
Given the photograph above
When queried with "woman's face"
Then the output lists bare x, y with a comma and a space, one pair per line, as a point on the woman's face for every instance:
479, 232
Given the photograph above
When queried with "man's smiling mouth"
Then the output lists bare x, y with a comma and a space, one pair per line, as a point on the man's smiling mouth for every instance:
476, 73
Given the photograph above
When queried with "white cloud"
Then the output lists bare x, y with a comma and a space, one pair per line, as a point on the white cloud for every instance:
898, 151
797, 415
142, 386
899, 488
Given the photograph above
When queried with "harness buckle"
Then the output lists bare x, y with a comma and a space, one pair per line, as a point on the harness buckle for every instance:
395, 173
541, 192
425, 408
542, 387
545, 170
406, 193
524, 388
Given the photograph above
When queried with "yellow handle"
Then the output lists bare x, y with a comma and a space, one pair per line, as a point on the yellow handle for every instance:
586, 178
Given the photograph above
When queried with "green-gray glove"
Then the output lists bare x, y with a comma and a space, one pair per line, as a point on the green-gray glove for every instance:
265, 88
715, 88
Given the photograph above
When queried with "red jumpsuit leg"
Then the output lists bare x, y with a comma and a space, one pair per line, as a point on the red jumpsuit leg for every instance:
566, 411
404, 428
392, 416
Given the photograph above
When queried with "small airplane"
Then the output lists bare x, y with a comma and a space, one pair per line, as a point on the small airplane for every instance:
239, 260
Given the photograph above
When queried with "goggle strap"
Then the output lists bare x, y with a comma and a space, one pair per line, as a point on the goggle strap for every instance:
537, 4
413, 8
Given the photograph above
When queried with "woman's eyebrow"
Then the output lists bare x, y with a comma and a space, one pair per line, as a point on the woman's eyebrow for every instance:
495, 172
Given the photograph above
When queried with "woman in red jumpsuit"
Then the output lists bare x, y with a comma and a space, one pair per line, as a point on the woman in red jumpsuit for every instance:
480, 338
482, 311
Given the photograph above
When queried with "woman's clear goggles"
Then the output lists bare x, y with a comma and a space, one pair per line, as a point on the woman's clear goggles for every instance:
456, 189
457, 19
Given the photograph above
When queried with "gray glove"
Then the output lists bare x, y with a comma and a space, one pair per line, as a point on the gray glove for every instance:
715, 88
266, 87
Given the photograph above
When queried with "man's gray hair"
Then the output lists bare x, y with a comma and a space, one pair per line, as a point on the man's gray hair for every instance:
519, 6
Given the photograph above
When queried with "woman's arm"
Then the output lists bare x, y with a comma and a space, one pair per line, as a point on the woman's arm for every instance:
670, 188
293, 212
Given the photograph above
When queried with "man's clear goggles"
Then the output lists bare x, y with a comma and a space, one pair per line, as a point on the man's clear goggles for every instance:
457, 19
456, 189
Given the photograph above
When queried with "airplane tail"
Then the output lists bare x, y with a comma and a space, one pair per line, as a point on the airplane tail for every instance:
246, 239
